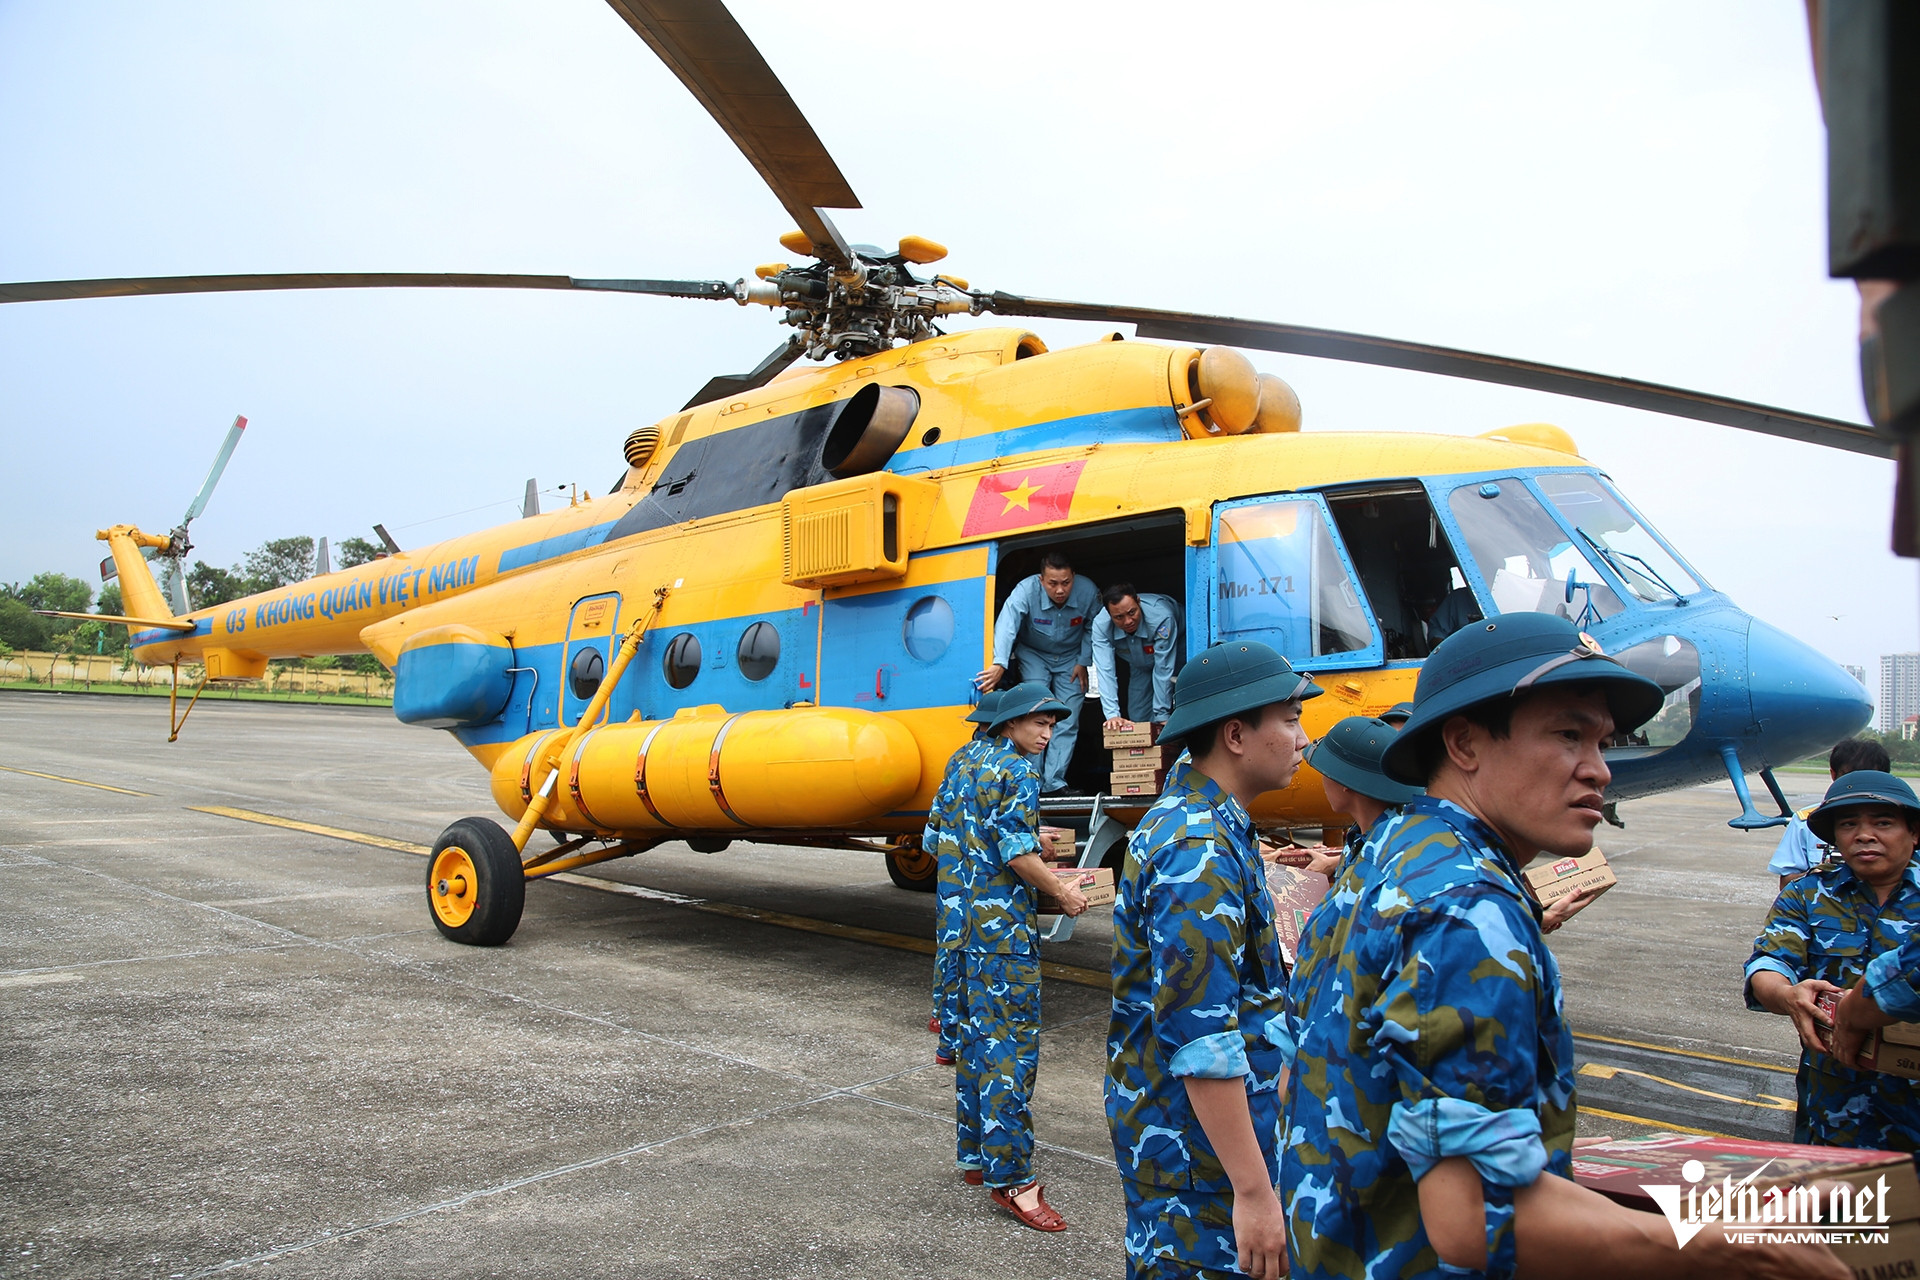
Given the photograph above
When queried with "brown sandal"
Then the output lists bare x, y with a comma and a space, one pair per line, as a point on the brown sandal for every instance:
1041, 1217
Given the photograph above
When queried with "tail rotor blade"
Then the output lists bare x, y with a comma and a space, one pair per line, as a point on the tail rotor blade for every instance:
181, 605
219, 465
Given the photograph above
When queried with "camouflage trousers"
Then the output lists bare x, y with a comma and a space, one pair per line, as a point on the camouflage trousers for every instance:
1184, 1234
946, 998
999, 1027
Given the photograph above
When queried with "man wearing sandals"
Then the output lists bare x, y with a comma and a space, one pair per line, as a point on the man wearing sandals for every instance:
1001, 876
1194, 1050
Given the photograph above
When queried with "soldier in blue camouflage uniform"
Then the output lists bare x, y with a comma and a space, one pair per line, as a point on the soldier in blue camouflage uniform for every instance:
1433, 1076
1827, 930
1195, 1049
1000, 876
948, 911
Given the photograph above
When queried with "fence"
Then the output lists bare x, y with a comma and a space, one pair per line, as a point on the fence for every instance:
89, 669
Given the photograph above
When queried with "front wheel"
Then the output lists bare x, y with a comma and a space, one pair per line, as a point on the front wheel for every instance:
475, 888
911, 867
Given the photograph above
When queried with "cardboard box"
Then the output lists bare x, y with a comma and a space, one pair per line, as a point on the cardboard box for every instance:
1881, 1052
1141, 735
1122, 777
1902, 1033
1095, 882
1149, 757
1623, 1168
1146, 790
1057, 844
1295, 894
1551, 881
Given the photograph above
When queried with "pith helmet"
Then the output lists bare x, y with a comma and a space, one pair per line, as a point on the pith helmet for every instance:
1229, 679
1350, 755
983, 711
1024, 700
1505, 655
1861, 787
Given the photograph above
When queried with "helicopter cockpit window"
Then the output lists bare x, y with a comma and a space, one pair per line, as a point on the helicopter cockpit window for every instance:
1614, 534
1282, 581
759, 651
1525, 557
682, 661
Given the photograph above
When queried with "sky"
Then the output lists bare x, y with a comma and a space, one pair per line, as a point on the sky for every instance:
1636, 189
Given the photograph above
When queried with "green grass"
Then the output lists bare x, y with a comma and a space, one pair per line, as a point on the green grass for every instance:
1817, 766
212, 693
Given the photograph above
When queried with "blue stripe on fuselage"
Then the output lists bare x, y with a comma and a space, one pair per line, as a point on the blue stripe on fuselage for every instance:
1156, 423
158, 635
559, 544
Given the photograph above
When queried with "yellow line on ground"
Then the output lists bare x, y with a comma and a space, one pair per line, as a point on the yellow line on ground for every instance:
312, 828
1685, 1053
78, 782
1651, 1124
756, 915
1599, 1071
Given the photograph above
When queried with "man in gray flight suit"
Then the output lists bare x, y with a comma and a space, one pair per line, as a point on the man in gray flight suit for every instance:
1045, 627
1145, 630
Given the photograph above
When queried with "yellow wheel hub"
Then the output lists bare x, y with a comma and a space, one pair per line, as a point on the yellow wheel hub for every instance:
452, 886
914, 862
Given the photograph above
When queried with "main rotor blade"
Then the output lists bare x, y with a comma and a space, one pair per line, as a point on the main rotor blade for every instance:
732, 384
199, 503
704, 46
1334, 344
138, 286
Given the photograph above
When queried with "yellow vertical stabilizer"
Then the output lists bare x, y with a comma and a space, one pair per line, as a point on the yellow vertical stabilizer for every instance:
140, 595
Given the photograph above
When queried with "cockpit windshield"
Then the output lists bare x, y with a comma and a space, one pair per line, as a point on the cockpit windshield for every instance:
1612, 533
1526, 559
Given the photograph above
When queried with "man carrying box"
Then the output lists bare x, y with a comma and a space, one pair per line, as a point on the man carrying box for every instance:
1001, 875
1827, 930
1193, 1062
1430, 1109
1145, 630
942, 838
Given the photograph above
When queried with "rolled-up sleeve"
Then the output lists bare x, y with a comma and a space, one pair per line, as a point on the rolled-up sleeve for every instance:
1783, 942
1892, 980
1196, 923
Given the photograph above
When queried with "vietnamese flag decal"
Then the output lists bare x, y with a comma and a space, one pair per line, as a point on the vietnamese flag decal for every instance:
1021, 497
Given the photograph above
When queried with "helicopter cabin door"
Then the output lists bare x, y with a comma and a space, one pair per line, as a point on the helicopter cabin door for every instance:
589, 649
1282, 576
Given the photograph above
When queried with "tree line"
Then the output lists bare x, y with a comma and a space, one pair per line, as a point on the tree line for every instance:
274, 563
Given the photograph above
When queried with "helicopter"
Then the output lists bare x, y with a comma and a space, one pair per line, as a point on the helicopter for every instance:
767, 626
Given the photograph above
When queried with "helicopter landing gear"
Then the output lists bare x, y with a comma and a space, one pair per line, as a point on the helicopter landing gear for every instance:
475, 887
911, 867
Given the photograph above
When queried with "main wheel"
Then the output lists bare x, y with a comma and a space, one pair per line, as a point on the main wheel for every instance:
475, 889
911, 867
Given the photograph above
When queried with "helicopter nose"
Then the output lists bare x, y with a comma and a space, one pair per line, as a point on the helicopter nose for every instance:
1802, 701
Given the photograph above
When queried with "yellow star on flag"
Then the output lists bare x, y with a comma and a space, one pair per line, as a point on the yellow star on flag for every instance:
1019, 497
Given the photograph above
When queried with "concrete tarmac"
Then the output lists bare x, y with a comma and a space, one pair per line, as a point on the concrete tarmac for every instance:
241, 1047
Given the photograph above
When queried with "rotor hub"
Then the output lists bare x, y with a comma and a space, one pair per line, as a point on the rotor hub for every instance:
871, 304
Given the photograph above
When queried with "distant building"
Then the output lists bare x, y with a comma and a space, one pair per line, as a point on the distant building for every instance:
1909, 727
1899, 689
1858, 673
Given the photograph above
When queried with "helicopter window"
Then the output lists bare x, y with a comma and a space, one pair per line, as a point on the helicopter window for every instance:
929, 628
1404, 558
1528, 562
759, 651
585, 671
1617, 536
1282, 581
682, 661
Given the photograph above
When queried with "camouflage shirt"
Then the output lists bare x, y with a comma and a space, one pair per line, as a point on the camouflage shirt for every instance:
1196, 984
1828, 924
1429, 1024
997, 818
943, 839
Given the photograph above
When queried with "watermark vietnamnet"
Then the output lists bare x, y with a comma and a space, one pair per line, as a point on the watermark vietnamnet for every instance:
1838, 1214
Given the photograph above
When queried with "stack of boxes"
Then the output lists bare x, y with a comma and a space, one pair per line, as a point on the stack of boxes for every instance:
1139, 767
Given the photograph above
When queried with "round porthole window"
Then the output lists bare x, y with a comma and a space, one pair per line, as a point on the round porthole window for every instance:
759, 651
682, 661
585, 671
929, 628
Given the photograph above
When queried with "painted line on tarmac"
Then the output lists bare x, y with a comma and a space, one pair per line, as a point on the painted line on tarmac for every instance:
1602, 1071
312, 828
1685, 1053
78, 782
754, 915
40, 979
1651, 1124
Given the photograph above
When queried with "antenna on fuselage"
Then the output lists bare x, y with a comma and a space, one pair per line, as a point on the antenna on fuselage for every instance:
530, 505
